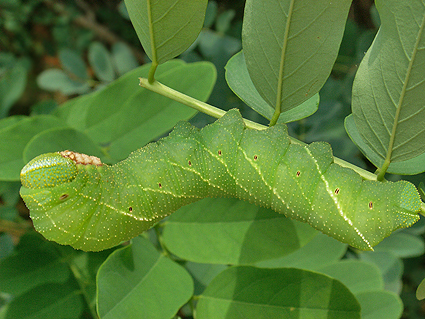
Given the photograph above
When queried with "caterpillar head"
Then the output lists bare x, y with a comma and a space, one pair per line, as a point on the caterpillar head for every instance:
52, 169
48, 170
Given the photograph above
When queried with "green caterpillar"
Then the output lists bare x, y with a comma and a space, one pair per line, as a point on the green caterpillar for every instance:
74, 199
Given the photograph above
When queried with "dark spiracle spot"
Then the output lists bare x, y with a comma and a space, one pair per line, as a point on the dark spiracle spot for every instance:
298, 174
370, 205
160, 185
337, 191
255, 157
63, 196
130, 209
190, 163
219, 153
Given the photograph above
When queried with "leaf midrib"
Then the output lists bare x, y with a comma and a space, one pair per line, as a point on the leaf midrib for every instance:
151, 32
278, 105
402, 95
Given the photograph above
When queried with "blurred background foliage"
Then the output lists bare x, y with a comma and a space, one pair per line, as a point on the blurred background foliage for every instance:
52, 51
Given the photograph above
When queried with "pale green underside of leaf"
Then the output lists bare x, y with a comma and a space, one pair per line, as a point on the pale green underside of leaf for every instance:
412, 166
101, 62
389, 88
166, 28
240, 83
290, 66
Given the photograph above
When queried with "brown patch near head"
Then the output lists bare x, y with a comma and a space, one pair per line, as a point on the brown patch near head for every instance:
219, 152
190, 163
84, 159
371, 205
160, 185
130, 209
255, 157
298, 173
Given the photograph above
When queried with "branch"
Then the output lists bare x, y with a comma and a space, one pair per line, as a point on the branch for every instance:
217, 113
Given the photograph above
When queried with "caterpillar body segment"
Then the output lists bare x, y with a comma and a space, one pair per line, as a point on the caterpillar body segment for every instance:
93, 206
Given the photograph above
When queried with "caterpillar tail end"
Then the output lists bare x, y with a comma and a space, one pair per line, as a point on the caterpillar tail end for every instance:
410, 205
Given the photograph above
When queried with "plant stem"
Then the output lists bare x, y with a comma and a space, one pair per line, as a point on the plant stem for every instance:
278, 105
275, 117
151, 75
191, 102
217, 113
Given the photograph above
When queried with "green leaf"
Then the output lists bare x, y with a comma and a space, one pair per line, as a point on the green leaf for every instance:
215, 46
147, 115
248, 292
73, 63
6, 242
109, 101
166, 28
123, 58
100, 61
123, 10
380, 305
230, 231
11, 120
413, 166
420, 292
358, 276
320, 251
290, 47
58, 80
74, 111
402, 245
389, 88
138, 282
49, 301
123, 116
12, 85
203, 274
14, 138
210, 14
32, 265
60, 139
365, 281
224, 19
9, 192
43, 107
240, 83
390, 265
